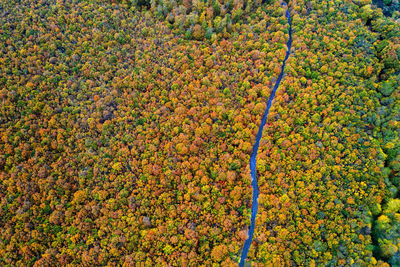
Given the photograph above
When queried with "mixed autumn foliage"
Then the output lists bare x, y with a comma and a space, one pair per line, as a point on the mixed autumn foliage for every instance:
126, 130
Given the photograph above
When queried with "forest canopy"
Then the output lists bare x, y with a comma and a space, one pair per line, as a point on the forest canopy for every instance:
126, 129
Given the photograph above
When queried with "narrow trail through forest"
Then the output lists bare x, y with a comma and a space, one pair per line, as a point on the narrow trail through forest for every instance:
253, 157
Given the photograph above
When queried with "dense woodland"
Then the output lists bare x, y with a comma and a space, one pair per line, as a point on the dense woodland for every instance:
126, 129
389, 8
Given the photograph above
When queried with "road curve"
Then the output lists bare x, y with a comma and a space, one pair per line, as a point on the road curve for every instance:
253, 157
